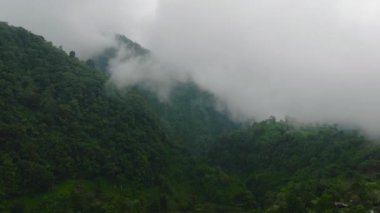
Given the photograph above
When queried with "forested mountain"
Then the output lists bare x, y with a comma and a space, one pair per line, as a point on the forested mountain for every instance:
58, 122
297, 169
92, 146
69, 142
189, 114
101, 61
191, 117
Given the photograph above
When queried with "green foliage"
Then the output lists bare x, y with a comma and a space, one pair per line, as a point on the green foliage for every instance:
68, 143
190, 116
290, 169
58, 121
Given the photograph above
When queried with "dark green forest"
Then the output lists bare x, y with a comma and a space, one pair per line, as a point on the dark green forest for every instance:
72, 142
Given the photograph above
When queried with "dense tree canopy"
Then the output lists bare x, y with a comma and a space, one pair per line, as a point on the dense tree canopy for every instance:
278, 161
70, 142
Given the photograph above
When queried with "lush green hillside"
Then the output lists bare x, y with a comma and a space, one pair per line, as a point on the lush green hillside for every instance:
189, 115
69, 143
298, 169
59, 123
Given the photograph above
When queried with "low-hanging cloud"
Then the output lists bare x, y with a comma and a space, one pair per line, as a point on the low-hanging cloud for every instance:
317, 61
86, 26
129, 69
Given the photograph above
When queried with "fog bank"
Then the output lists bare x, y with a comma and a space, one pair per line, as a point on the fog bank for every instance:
317, 61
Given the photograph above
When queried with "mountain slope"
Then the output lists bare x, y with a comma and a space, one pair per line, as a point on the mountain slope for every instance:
189, 114
59, 122
55, 105
69, 142
297, 169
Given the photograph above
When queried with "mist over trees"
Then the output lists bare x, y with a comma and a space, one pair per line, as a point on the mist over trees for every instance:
316, 61
72, 141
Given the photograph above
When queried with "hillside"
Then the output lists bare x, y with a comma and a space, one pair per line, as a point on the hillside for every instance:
288, 168
70, 142
65, 134
59, 122
189, 115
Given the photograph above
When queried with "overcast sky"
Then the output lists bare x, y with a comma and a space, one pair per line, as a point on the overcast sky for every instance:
317, 61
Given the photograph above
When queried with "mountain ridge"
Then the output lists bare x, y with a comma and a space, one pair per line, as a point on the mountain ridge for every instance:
70, 142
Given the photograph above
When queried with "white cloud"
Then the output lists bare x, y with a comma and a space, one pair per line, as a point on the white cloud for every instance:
86, 26
313, 60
